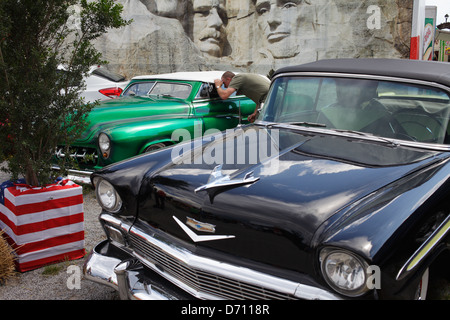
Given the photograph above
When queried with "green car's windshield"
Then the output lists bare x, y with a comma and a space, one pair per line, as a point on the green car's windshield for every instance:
387, 109
159, 88
138, 89
172, 90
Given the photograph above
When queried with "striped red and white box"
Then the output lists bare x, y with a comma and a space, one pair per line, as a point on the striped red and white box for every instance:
44, 225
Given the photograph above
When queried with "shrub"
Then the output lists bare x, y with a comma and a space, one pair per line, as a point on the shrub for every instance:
41, 106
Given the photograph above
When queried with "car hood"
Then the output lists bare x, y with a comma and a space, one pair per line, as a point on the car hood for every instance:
281, 199
126, 110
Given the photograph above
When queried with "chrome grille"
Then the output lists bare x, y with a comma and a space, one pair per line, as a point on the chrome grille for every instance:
206, 282
82, 155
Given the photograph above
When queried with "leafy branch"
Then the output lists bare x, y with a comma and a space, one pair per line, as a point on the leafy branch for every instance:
41, 106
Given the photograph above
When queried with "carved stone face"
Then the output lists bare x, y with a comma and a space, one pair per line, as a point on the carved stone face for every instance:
166, 8
210, 18
284, 24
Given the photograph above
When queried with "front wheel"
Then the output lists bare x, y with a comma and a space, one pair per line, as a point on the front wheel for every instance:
154, 147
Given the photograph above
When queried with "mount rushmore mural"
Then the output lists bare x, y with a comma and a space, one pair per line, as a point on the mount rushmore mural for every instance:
253, 35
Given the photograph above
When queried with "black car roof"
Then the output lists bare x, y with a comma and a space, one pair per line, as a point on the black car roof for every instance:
438, 72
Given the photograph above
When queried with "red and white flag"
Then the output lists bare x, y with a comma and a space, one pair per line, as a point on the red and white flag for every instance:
42, 226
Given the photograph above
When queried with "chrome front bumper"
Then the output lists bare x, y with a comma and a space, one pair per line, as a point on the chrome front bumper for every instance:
128, 276
110, 266
78, 176
153, 266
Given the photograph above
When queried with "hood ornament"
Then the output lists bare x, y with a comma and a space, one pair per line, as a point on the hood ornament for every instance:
218, 182
200, 226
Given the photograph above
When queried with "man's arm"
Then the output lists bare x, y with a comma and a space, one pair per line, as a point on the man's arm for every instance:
223, 93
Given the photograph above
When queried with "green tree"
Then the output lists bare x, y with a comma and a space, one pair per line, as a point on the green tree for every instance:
40, 106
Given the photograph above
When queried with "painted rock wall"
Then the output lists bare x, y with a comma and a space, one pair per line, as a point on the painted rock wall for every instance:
253, 35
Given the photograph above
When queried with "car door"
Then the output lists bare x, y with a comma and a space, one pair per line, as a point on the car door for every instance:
219, 114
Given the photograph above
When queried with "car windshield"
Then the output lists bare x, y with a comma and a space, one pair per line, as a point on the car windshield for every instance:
139, 89
386, 109
171, 90
160, 89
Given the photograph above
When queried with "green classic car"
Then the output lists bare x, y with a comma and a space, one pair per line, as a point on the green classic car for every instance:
154, 112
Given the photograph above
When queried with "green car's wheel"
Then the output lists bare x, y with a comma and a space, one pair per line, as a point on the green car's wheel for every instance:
154, 147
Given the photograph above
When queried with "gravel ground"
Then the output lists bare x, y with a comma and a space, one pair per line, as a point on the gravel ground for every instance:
58, 282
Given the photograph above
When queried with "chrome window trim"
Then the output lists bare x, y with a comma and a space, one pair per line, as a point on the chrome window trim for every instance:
364, 76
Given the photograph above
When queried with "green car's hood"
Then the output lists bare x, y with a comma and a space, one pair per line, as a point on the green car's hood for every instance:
117, 112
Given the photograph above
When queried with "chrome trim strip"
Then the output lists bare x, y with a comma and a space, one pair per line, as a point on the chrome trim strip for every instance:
77, 176
363, 76
425, 249
197, 238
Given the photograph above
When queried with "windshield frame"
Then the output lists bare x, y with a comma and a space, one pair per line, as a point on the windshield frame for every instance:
354, 135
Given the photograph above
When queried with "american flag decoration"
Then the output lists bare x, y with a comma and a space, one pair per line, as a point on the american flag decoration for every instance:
43, 225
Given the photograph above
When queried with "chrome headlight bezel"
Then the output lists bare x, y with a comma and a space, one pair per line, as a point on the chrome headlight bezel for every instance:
104, 144
107, 196
344, 271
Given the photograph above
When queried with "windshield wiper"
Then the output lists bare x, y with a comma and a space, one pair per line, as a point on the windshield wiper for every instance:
369, 135
280, 124
309, 124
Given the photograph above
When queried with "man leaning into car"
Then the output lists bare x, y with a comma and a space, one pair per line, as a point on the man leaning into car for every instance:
253, 86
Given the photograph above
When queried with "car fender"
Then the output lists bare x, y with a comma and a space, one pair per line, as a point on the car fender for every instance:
131, 139
377, 224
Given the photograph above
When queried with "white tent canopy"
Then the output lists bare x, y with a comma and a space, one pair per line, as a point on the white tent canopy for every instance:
442, 35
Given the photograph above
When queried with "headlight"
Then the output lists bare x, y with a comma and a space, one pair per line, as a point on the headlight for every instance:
344, 271
107, 196
104, 143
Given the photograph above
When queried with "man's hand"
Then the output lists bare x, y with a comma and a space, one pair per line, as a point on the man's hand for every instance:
251, 118
223, 93
218, 83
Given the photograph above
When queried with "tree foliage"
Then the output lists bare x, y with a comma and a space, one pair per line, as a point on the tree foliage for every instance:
40, 104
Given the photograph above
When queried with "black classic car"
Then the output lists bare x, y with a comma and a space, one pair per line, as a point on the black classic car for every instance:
340, 190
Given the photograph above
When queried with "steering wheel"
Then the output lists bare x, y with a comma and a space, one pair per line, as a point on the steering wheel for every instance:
419, 130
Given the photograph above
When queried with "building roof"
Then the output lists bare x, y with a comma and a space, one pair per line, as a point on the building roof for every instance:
443, 35
438, 72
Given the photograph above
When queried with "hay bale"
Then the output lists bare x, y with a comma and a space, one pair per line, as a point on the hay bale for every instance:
7, 267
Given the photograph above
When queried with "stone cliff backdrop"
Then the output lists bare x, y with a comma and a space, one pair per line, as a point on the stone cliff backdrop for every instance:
253, 35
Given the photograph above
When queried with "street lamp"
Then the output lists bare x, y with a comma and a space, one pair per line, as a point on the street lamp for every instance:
446, 18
